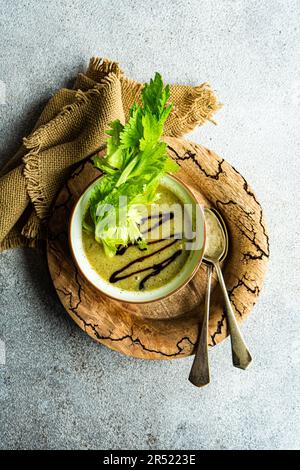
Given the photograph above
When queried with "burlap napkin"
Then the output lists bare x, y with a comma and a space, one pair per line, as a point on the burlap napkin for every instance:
72, 127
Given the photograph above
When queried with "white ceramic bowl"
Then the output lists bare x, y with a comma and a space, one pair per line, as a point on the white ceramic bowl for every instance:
184, 275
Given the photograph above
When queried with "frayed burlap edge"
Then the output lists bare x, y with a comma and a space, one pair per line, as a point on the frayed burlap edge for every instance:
105, 66
18, 240
198, 107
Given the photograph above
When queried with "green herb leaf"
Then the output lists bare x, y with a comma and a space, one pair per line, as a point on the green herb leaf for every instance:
136, 161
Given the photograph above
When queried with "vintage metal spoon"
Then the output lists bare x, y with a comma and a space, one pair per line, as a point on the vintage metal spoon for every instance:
241, 356
200, 375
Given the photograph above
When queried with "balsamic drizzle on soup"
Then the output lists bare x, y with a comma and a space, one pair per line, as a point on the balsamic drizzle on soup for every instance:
163, 260
156, 267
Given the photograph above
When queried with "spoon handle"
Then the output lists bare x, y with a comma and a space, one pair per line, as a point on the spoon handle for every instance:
241, 356
199, 374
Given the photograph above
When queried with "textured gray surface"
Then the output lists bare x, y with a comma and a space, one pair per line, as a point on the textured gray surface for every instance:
58, 388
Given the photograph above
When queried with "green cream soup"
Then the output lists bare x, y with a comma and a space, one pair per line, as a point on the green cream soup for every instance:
134, 268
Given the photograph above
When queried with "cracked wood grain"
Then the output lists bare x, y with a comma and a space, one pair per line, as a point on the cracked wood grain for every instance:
169, 328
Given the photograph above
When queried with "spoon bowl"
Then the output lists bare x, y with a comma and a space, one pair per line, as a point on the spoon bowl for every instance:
215, 226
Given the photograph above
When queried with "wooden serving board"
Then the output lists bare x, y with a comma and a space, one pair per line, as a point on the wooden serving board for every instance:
169, 328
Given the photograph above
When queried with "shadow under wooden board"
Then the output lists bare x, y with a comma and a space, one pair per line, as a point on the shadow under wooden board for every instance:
169, 328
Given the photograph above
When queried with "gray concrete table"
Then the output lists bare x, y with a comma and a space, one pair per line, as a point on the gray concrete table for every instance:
59, 389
